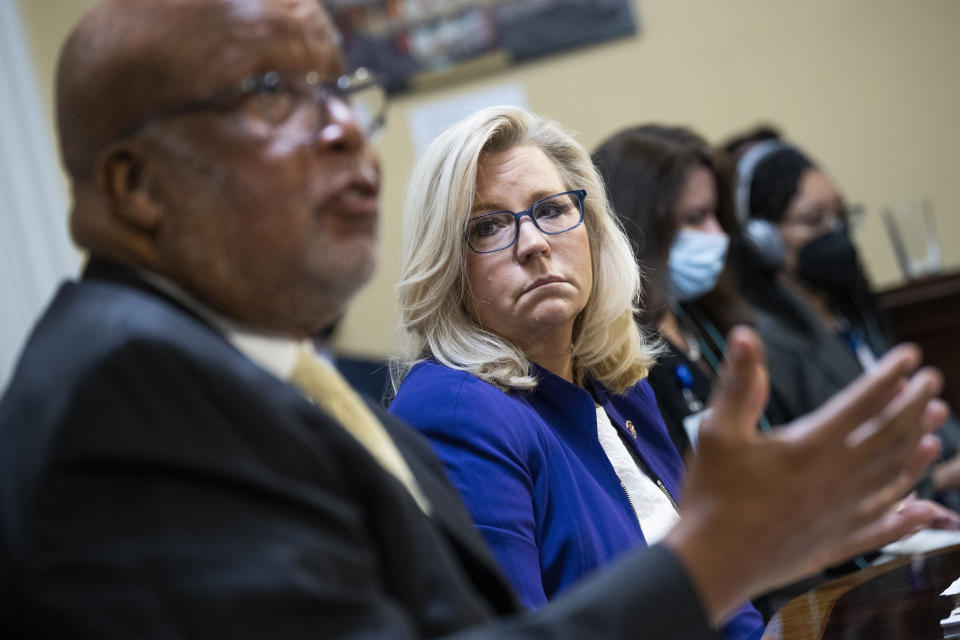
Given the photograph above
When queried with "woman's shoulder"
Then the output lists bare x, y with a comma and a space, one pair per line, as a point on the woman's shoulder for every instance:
435, 397
433, 379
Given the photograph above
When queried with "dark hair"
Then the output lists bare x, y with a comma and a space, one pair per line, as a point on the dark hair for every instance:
775, 182
644, 169
736, 144
774, 179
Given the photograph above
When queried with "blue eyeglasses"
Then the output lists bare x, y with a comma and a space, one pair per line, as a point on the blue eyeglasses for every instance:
551, 215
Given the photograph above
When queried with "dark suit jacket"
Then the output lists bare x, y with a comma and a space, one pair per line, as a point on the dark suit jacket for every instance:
156, 483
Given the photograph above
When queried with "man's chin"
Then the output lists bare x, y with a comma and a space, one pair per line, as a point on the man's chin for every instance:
341, 283
360, 264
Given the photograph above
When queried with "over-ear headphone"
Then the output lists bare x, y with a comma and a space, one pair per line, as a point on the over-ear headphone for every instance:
760, 236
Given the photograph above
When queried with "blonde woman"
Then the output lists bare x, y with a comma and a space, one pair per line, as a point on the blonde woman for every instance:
520, 357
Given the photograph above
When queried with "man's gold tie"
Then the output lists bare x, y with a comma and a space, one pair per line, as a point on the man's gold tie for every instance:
320, 382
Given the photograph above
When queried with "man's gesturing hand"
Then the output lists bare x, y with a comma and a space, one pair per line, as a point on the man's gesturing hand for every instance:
761, 510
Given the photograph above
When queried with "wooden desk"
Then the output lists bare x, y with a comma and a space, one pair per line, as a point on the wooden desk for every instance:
899, 600
927, 312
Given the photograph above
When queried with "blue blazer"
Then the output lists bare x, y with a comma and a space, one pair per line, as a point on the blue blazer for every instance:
535, 476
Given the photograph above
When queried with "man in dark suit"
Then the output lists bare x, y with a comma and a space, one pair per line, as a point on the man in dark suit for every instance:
159, 476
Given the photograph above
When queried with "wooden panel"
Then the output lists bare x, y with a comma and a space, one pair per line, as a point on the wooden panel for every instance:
927, 312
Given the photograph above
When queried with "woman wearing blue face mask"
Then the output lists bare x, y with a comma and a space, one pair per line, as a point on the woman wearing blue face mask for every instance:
665, 184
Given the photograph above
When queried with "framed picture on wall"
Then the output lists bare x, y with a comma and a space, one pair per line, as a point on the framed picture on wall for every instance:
416, 44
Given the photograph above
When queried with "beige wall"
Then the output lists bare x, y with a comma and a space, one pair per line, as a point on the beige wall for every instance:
47, 23
869, 87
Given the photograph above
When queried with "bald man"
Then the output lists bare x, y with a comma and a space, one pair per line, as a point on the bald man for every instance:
161, 477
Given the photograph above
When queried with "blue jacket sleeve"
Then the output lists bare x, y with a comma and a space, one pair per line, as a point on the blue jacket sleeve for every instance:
484, 438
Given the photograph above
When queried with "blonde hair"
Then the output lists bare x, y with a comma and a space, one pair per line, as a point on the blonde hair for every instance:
434, 318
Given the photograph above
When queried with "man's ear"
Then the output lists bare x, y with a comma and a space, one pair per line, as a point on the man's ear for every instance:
123, 179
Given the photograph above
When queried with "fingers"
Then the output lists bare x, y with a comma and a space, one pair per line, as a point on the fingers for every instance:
889, 495
942, 518
867, 395
893, 434
926, 453
898, 521
741, 392
936, 414
883, 456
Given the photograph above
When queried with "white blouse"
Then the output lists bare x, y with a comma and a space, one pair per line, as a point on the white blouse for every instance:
653, 509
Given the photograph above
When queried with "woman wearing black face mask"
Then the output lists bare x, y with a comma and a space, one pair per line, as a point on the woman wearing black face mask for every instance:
813, 309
